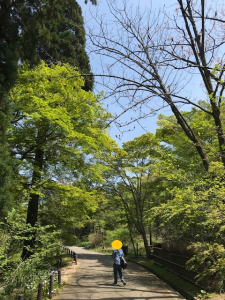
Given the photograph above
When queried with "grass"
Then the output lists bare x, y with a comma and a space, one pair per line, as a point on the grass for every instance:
66, 259
101, 250
182, 286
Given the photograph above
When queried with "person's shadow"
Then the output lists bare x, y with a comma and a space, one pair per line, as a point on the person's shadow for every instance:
108, 284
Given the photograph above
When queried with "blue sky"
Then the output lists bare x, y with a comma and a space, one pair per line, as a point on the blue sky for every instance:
150, 123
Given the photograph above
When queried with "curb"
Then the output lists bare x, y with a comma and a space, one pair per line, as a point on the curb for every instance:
174, 286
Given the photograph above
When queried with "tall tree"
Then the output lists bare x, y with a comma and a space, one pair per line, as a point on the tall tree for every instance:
154, 56
57, 129
49, 30
54, 32
33, 30
130, 180
8, 72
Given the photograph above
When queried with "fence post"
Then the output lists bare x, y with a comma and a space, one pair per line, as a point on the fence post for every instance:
20, 297
59, 278
40, 290
50, 286
137, 249
75, 257
60, 263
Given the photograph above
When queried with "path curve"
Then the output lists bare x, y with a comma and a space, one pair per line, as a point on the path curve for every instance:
94, 277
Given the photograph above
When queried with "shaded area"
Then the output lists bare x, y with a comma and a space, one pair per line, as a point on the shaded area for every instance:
95, 275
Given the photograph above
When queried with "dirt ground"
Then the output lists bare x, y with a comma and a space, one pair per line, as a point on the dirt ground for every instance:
217, 297
68, 271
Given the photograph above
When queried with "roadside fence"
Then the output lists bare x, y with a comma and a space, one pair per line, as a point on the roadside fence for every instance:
51, 277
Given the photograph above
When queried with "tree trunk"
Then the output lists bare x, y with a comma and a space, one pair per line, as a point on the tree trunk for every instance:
220, 132
190, 134
183, 123
145, 240
32, 212
129, 225
204, 69
132, 240
150, 234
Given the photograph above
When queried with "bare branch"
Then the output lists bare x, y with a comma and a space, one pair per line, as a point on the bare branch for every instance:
149, 59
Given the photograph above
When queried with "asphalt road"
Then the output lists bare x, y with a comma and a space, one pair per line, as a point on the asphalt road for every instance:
94, 277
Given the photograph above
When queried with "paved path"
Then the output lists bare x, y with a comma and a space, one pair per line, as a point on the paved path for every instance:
94, 277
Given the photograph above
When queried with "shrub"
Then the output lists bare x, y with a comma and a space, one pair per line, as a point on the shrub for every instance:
210, 261
86, 245
95, 238
23, 277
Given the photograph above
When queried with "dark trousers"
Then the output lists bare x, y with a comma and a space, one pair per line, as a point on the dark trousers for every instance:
117, 268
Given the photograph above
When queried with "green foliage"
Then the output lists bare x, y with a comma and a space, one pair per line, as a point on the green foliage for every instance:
8, 73
179, 199
71, 121
86, 245
121, 234
19, 276
6, 198
210, 261
195, 216
131, 172
180, 147
202, 294
195, 212
34, 30
68, 206
94, 2
58, 136
55, 31
31, 31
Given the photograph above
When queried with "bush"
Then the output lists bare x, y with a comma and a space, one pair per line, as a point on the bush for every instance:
209, 261
95, 238
86, 245
23, 277
89, 246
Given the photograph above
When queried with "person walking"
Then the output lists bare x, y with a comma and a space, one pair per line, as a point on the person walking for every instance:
117, 265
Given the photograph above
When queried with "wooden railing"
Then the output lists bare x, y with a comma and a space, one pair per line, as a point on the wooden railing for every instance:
174, 263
